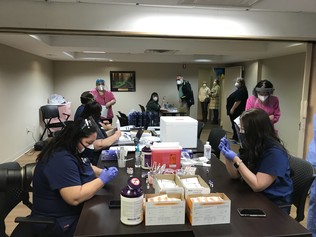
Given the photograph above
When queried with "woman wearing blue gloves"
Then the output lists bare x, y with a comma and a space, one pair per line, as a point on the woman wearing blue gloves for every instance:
64, 179
265, 164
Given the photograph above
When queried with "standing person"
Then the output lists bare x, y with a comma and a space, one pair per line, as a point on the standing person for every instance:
262, 98
185, 94
265, 165
236, 103
311, 158
105, 98
85, 98
214, 103
64, 179
204, 98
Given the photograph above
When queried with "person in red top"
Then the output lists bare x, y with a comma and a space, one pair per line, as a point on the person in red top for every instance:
105, 98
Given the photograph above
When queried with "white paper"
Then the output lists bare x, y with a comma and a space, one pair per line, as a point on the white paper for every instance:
104, 111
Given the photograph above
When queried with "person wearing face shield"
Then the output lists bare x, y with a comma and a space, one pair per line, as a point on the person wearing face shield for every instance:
185, 94
105, 98
204, 98
264, 99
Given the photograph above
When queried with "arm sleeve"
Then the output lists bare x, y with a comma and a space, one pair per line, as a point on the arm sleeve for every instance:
277, 112
249, 103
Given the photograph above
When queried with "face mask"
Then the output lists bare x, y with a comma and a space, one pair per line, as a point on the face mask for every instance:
179, 81
204, 85
100, 88
82, 150
237, 84
155, 98
91, 147
262, 97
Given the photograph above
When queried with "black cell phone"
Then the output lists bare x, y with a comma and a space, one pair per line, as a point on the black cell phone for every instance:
251, 212
115, 204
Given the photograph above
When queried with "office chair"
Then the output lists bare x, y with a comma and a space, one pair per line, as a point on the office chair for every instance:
123, 121
50, 112
303, 175
15, 186
214, 138
200, 128
122, 115
142, 108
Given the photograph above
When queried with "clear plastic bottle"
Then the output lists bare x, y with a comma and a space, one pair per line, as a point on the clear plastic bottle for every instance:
132, 202
137, 157
207, 150
118, 124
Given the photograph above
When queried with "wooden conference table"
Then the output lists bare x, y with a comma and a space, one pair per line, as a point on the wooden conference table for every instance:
97, 219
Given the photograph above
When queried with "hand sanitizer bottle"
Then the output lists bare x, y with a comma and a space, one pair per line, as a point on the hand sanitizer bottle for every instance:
207, 150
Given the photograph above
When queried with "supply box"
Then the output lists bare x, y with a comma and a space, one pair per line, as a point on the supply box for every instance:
203, 189
208, 213
158, 189
182, 129
168, 153
165, 212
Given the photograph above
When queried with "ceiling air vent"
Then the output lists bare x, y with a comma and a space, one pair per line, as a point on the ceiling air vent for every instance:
160, 51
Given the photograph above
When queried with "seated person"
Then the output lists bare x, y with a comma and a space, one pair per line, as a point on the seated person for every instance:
85, 98
64, 179
265, 165
104, 140
153, 103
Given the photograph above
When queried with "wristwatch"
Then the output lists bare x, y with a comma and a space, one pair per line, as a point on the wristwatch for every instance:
237, 164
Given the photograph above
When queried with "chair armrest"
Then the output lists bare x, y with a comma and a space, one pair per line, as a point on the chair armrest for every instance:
67, 116
38, 220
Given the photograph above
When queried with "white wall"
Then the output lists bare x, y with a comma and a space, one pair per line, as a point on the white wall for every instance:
72, 78
25, 82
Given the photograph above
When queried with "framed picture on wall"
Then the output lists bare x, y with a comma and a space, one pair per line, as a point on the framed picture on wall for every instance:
122, 81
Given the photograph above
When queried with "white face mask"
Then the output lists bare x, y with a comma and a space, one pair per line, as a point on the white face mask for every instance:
237, 84
179, 81
204, 85
155, 98
100, 88
262, 97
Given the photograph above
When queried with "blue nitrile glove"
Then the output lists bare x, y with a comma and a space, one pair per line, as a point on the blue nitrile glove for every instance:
108, 174
229, 154
224, 143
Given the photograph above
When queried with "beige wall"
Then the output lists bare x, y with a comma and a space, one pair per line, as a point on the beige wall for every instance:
25, 82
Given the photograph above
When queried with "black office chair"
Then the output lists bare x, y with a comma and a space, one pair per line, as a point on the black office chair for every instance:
15, 186
200, 128
123, 121
303, 175
123, 115
214, 138
142, 108
50, 112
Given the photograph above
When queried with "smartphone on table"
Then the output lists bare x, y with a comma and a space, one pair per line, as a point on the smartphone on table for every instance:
251, 212
115, 204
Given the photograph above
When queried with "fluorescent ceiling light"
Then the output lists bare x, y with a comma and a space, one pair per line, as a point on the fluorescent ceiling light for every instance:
88, 51
35, 37
203, 60
68, 54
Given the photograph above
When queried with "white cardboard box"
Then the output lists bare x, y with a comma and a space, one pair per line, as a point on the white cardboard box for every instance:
159, 189
182, 129
208, 213
205, 189
165, 213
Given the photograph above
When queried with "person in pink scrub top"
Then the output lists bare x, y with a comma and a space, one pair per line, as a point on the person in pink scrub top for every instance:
105, 98
262, 98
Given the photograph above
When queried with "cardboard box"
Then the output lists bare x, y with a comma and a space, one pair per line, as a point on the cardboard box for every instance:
187, 191
159, 189
182, 129
208, 213
164, 212
168, 153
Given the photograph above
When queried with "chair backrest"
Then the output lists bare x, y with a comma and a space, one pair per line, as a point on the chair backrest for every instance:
49, 111
214, 138
200, 128
122, 115
14, 188
303, 175
123, 121
142, 108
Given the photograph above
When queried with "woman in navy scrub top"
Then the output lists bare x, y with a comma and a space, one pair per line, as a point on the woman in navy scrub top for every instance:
64, 179
264, 165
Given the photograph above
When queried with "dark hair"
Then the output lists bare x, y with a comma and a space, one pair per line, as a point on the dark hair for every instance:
259, 134
68, 139
92, 109
86, 97
264, 86
154, 94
